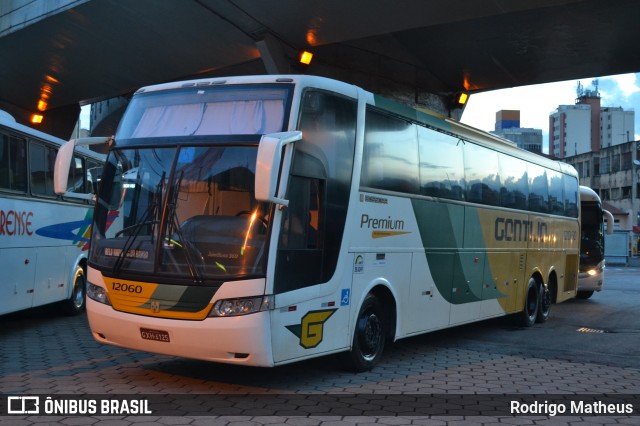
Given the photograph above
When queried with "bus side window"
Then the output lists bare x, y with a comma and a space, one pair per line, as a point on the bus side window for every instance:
556, 193
514, 182
570, 196
94, 173
13, 163
76, 180
390, 158
42, 160
538, 189
481, 175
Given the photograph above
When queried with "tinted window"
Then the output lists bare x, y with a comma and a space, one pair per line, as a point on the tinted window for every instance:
515, 187
13, 163
390, 159
556, 192
318, 191
538, 189
481, 173
570, 196
42, 160
441, 165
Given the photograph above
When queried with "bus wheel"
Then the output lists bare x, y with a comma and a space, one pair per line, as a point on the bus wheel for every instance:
75, 304
544, 304
584, 294
531, 301
369, 336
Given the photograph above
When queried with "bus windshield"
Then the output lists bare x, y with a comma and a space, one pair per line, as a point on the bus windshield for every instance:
213, 110
185, 212
592, 236
179, 186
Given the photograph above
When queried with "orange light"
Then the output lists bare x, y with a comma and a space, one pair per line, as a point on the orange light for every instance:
305, 57
462, 98
36, 118
42, 105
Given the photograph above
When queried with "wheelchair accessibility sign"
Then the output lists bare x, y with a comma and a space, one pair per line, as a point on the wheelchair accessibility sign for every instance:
344, 298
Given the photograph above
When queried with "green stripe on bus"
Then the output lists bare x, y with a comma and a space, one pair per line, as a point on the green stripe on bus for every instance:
458, 267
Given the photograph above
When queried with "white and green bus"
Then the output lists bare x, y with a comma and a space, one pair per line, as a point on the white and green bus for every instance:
266, 220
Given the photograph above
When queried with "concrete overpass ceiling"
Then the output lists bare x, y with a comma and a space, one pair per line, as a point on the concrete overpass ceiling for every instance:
106, 48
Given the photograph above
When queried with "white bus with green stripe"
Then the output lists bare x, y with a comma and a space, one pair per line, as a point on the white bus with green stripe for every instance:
270, 219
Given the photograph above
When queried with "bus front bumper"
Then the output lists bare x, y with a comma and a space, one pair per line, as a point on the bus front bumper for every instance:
235, 340
591, 281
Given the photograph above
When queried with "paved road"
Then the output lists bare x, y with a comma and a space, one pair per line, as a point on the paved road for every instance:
587, 351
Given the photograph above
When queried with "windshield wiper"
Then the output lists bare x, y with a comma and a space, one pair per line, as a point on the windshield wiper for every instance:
173, 225
150, 218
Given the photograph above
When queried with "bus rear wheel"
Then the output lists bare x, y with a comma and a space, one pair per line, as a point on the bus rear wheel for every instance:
369, 336
75, 304
531, 302
544, 304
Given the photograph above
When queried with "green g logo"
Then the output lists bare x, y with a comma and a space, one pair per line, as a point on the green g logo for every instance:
310, 331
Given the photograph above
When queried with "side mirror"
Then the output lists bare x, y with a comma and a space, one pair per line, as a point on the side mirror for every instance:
608, 218
63, 163
268, 164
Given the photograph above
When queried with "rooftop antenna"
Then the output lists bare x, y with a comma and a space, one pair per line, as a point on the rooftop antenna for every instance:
579, 92
595, 83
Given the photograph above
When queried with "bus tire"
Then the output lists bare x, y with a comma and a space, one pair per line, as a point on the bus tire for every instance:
531, 301
369, 336
584, 294
544, 303
76, 304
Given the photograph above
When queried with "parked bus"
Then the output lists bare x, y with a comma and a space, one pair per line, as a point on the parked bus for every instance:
43, 236
592, 229
266, 220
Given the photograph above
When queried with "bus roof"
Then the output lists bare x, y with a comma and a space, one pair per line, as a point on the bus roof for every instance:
588, 194
9, 122
412, 113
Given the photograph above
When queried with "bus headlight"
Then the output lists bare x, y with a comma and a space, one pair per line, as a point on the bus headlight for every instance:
241, 306
97, 293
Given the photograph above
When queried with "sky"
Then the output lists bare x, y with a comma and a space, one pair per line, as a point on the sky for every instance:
538, 101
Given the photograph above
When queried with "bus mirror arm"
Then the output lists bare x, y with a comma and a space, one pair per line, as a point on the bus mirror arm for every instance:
268, 165
61, 169
608, 218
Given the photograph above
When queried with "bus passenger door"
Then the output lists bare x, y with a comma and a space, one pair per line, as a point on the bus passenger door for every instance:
304, 323
17, 284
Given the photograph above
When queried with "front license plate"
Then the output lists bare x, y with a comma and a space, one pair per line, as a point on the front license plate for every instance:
157, 335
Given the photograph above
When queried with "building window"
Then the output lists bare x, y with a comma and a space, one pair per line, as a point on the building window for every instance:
604, 165
626, 161
615, 193
596, 166
586, 168
578, 167
615, 163
626, 192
